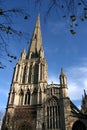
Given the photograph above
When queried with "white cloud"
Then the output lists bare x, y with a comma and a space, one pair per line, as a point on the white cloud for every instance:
77, 80
52, 79
75, 91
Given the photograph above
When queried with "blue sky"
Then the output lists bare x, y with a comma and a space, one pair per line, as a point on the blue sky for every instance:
61, 50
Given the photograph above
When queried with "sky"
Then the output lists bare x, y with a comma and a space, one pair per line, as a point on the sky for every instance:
61, 48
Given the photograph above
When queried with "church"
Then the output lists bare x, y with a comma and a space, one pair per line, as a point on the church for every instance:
33, 104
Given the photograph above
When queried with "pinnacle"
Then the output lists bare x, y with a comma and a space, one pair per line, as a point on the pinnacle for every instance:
38, 21
62, 71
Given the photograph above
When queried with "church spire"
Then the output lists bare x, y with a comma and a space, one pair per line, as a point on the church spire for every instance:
63, 79
36, 42
63, 84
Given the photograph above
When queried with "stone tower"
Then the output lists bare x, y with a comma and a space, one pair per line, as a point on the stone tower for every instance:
28, 85
33, 104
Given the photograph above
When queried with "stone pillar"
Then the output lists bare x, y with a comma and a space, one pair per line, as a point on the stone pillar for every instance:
15, 73
19, 73
39, 73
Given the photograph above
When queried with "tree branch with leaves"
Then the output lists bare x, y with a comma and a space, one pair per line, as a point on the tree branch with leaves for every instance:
7, 31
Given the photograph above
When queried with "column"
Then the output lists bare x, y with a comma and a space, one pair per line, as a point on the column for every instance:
22, 72
39, 73
19, 73
27, 74
42, 72
32, 73
15, 72
24, 99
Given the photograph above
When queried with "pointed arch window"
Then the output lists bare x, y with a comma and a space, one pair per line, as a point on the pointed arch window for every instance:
35, 73
53, 115
40, 97
27, 97
30, 73
21, 95
41, 71
24, 75
12, 97
17, 72
34, 95
21, 73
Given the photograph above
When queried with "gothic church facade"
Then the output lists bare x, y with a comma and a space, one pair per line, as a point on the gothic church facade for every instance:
33, 104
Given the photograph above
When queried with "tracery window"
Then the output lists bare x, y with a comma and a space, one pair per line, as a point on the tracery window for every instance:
53, 116
30, 74
17, 72
12, 97
41, 71
35, 73
21, 74
27, 97
34, 95
21, 95
40, 96
24, 75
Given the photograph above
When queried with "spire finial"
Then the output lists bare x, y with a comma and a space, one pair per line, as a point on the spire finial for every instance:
63, 78
62, 71
23, 54
84, 93
39, 15
38, 20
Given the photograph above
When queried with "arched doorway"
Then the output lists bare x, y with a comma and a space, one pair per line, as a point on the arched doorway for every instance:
78, 125
25, 126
